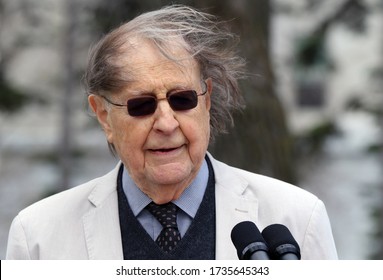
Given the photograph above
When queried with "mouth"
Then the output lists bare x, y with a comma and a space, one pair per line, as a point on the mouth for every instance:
165, 150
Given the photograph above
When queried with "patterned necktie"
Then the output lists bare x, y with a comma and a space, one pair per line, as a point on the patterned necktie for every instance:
166, 214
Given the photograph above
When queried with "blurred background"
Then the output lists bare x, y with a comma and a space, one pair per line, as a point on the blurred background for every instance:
314, 102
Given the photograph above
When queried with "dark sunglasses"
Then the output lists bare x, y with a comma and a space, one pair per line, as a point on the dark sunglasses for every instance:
147, 105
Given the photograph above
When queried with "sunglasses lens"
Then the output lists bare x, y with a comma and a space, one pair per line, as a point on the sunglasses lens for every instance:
179, 101
183, 100
142, 106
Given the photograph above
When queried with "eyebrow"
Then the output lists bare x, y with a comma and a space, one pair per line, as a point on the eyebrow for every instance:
138, 92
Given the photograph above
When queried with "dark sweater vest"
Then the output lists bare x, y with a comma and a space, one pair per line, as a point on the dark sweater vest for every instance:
197, 244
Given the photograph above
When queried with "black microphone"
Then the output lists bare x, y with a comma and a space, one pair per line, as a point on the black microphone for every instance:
249, 242
281, 243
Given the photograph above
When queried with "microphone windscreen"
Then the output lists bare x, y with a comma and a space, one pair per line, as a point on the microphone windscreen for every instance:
244, 234
277, 235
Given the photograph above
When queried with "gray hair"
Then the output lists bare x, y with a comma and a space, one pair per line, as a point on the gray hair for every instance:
206, 39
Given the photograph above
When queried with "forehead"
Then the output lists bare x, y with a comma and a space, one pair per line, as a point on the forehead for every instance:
146, 60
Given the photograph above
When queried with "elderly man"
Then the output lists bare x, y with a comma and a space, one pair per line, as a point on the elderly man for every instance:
162, 86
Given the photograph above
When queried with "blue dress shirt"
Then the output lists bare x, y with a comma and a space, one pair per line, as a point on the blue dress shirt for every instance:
188, 202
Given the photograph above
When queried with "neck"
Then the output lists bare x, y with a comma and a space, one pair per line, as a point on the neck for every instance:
161, 194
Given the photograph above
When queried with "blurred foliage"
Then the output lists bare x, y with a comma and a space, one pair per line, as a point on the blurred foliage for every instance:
375, 148
312, 141
377, 216
353, 15
311, 51
10, 99
53, 157
110, 14
356, 104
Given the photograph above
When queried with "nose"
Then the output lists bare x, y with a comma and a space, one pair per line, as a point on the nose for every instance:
164, 118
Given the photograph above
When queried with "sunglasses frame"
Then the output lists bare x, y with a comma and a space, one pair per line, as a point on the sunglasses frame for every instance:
168, 95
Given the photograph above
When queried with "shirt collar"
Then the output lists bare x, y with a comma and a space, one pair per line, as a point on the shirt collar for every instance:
189, 200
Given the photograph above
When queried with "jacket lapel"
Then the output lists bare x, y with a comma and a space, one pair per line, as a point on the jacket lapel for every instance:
101, 223
233, 205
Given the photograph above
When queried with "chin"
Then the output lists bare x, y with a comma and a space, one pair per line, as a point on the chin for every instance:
172, 176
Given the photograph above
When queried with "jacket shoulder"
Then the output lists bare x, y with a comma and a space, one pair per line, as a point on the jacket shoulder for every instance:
245, 182
73, 201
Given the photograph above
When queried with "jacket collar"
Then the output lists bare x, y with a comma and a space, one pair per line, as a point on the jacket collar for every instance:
101, 223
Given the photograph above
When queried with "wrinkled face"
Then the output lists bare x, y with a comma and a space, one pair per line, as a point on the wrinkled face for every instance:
162, 151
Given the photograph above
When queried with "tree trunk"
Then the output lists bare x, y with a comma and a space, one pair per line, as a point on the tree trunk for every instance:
260, 141
65, 145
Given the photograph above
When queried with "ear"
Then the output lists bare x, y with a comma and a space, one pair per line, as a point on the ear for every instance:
97, 104
209, 85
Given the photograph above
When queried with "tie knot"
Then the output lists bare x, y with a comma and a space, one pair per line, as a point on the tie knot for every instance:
166, 214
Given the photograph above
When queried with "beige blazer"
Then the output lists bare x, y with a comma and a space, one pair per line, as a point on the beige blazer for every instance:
83, 222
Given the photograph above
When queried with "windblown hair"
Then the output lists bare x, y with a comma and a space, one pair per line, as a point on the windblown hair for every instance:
207, 40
